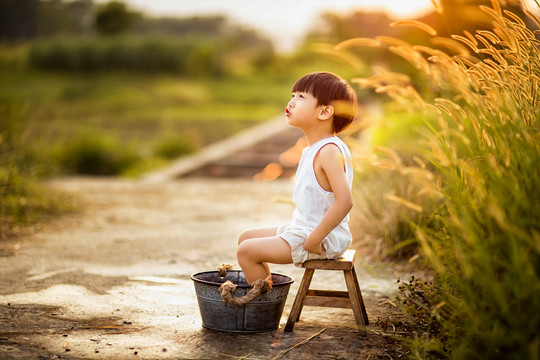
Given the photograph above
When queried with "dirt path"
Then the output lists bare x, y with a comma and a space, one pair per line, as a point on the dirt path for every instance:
112, 282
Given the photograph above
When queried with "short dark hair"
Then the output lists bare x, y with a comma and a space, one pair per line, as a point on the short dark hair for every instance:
330, 89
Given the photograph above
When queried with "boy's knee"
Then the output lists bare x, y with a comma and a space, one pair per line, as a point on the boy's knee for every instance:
243, 251
242, 248
244, 236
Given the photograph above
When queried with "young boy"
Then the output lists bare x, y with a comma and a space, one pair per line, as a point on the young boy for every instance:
322, 105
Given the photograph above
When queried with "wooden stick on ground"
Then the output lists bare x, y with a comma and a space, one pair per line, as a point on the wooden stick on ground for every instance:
300, 343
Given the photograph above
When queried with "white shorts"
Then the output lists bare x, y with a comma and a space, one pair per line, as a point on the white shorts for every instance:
296, 239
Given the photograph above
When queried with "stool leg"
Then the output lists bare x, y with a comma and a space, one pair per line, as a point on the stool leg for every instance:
357, 286
299, 300
355, 302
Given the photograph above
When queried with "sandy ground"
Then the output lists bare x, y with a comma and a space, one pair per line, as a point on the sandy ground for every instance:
113, 280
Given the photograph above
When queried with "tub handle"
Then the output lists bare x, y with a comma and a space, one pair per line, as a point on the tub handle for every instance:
223, 268
259, 287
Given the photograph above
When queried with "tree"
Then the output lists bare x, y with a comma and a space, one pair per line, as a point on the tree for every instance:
113, 18
28, 19
18, 19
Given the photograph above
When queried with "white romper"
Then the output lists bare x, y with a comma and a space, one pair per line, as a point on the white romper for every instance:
312, 202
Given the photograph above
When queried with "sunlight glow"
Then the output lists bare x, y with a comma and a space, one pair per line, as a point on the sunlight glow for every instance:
284, 21
271, 172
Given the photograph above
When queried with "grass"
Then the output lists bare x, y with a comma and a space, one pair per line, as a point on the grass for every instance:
389, 179
23, 199
116, 101
479, 166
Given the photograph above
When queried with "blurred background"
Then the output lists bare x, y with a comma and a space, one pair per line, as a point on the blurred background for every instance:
120, 88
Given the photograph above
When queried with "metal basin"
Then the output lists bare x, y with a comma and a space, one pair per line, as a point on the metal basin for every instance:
261, 314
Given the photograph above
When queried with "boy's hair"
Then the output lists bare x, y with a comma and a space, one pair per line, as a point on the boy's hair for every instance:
330, 89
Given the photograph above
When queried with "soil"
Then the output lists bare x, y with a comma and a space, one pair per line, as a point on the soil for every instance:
112, 281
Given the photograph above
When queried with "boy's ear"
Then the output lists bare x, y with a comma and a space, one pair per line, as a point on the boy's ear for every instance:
326, 113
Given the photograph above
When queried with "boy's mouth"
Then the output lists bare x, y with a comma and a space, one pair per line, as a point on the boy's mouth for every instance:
287, 112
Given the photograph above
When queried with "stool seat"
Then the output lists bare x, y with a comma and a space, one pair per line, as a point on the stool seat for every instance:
351, 299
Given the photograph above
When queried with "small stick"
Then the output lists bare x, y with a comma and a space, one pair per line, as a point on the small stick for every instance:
300, 343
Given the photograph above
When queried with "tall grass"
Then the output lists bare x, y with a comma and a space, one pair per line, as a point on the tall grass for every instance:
481, 145
23, 199
387, 187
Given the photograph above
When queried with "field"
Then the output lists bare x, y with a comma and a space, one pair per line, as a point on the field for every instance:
138, 110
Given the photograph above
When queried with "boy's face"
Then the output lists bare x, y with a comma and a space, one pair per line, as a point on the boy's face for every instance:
302, 110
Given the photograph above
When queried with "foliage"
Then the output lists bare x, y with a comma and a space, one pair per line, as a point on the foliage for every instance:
94, 153
28, 19
423, 302
481, 141
140, 109
208, 26
13, 57
113, 18
385, 220
23, 199
174, 146
387, 189
334, 27
186, 56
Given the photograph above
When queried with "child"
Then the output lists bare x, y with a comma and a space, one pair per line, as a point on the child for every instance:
322, 105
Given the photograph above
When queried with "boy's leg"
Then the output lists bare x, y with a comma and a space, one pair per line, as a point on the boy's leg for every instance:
253, 254
258, 233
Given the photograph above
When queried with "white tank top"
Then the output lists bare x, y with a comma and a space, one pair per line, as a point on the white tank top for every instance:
312, 201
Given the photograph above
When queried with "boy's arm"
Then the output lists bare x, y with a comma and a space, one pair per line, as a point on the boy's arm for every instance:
332, 163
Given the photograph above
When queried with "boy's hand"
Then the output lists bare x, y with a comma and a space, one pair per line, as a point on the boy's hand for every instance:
314, 246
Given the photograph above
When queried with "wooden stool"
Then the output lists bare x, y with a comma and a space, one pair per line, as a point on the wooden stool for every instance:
351, 299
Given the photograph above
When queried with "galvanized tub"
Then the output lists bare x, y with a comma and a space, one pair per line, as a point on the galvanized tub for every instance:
260, 314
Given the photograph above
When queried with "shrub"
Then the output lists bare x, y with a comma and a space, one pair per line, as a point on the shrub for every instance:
24, 199
423, 301
190, 56
482, 134
94, 153
170, 147
144, 166
13, 56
